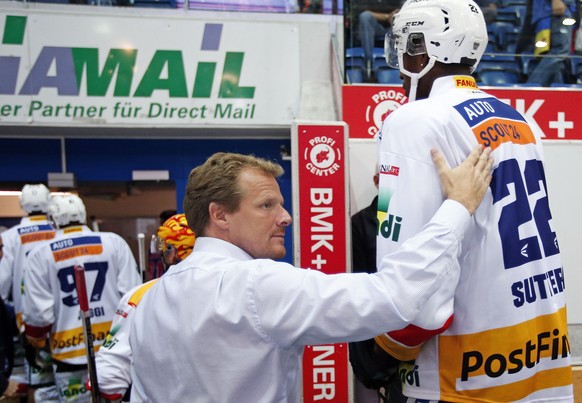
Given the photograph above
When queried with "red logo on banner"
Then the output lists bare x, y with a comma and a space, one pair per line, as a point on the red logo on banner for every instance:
321, 226
322, 156
554, 111
366, 107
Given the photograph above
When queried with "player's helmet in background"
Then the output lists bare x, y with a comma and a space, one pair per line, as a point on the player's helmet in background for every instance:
175, 234
35, 198
449, 31
66, 209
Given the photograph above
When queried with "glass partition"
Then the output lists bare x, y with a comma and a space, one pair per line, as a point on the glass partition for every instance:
518, 52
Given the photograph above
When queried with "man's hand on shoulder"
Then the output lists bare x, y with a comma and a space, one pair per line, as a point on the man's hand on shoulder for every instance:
468, 182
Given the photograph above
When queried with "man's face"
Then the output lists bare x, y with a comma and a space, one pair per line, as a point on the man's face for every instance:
258, 226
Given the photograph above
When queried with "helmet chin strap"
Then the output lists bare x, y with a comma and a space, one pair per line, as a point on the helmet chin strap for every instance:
414, 77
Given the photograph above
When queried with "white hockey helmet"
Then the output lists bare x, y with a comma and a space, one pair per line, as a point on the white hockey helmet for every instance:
35, 198
448, 31
66, 209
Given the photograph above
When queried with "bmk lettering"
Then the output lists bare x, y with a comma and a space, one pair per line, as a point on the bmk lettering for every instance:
321, 231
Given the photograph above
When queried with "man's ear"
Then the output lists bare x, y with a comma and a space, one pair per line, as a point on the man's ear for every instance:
217, 215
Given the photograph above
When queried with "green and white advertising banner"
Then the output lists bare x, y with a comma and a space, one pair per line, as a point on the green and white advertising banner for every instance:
64, 66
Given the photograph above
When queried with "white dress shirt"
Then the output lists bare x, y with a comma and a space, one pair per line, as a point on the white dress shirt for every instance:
223, 327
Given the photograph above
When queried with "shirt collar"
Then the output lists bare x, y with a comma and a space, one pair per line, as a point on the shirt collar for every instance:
215, 245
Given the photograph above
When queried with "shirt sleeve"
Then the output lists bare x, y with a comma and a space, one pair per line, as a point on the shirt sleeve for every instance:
113, 359
301, 307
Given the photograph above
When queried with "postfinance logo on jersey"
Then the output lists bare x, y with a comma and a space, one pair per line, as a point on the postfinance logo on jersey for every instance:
494, 122
69, 344
523, 358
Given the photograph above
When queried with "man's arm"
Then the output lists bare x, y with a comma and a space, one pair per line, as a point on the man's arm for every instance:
421, 267
113, 359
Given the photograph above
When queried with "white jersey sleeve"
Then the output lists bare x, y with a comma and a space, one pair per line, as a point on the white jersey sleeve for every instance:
127, 268
113, 360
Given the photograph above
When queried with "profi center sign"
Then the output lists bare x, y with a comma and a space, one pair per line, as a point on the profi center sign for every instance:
140, 71
321, 242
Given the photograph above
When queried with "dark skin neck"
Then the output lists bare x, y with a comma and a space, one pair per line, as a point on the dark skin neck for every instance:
417, 63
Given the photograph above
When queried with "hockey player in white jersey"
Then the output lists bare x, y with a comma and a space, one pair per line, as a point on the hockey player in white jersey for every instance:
52, 306
503, 337
175, 241
18, 241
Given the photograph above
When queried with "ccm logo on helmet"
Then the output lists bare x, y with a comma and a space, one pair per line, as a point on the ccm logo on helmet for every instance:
414, 23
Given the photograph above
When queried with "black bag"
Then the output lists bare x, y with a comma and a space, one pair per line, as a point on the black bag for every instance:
372, 366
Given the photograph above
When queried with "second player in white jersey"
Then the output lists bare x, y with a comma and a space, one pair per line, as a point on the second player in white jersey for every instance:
19, 240
52, 305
